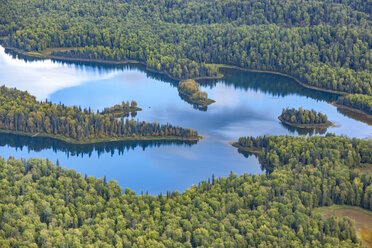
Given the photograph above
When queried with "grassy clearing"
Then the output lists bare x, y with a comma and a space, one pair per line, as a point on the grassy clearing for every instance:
361, 218
365, 168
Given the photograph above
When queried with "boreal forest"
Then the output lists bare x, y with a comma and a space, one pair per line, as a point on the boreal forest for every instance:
324, 44
22, 113
306, 62
43, 205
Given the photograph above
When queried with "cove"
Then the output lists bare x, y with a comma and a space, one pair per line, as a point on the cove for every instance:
247, 104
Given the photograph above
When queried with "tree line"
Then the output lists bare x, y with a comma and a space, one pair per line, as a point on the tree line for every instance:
326, 44
123, 109
43, 205
357, 101
302, 116
21, 112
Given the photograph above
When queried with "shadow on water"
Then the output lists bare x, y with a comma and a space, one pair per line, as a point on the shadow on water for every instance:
263, 165
194, 105
354, 115
304, 131
273, 84
120, 147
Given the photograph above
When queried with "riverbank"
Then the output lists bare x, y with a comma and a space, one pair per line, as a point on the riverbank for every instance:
102, 140
325, 125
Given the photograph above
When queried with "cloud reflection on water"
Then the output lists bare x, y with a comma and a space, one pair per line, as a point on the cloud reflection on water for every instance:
44, 77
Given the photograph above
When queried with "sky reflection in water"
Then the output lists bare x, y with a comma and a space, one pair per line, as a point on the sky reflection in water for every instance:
247, 104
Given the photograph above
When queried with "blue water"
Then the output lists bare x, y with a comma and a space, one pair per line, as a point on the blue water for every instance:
247, 104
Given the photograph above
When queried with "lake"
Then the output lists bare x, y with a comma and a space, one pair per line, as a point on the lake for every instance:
247, 104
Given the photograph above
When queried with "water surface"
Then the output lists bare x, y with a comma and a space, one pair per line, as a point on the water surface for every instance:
247, 104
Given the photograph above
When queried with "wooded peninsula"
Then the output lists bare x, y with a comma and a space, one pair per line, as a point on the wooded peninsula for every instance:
21, 113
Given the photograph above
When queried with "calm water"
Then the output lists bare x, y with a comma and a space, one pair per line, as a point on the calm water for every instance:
247, 104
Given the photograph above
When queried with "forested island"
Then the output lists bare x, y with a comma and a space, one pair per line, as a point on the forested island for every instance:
356, 102
123, 109
189, 91
304, 118
43, 205
21, 113
323, 44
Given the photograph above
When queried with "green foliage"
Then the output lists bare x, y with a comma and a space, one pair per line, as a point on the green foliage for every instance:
277, 150
190, 91
357, 101
48, 206
20, 112
325, 44
123, 109
303, 117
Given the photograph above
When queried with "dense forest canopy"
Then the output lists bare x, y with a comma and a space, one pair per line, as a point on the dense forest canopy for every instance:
325, 44
48, 206
20, 112
304, 117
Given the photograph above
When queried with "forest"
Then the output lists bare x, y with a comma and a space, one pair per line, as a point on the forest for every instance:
303, 117
43, 205
21, 113
324, 44
357, 101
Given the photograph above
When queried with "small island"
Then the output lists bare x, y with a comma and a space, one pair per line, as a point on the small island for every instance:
123, 109
22, 114
304, 118
189, 91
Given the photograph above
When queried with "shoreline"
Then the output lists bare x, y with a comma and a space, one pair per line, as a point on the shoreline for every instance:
219, 76
246, 149
219, 66
203, 104
283, 75
101, 140
37, 55
315, 126
354, 110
